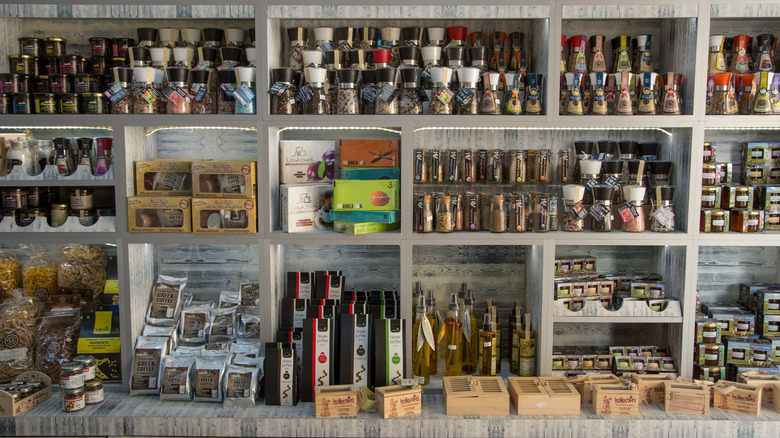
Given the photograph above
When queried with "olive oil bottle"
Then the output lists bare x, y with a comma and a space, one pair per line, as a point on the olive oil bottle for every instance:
423, 343
453, 336
487, 347
470, 333
430, 301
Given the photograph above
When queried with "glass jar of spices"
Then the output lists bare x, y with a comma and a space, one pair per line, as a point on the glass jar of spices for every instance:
347, 102
441, 96
443, 214
409, 101
201, 101
602, 216
574, 212
634, 196
498, 219
317, 103
387, 98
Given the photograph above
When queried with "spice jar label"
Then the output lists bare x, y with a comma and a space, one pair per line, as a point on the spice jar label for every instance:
464, 97
326, 46
589, 184
115, 93
663, 215
422, 96
368, 94
612, 180
305, 93
599, 211
445, 96
244, 94
628, 212
278, 88
579, 210
198, 92
388, 93
296, 53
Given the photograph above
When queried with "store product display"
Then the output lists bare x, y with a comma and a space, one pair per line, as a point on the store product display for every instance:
620, 360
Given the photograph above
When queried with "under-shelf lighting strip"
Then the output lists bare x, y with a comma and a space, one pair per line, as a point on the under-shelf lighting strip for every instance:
337, 128
191, 128
107, 128
534, 128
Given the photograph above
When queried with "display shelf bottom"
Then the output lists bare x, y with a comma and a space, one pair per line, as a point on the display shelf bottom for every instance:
122, 415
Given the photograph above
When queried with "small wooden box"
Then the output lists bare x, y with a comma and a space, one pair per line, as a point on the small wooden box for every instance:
397, 401
544, 396
336, 401
764, 381
9, 408
615, 400
686, 398
651, 387
584, 384
472, 395
737, 397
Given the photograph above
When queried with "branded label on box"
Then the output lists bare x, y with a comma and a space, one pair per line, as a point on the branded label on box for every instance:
686, 398
318, 356
702, 355
650, 387
305, 207
738, 350
300, 285
224, 179
280, 374
384, 217
294, 311
369, 153
363, 227
389, 349
372, 195
336, 401
615, 400
156, 214
163, 178
397, 401
370, 173
307, 161
355, 348
737, 397
224, 215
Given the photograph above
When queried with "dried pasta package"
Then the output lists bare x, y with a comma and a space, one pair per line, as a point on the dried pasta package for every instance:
9, 273
76, 252
39, 277
223, 324
249, 326
176, 382
195, 324
82, 267
207, 383
56, 339
228, 299
241, 385
250, 293
18, 316
166, 303
147, 365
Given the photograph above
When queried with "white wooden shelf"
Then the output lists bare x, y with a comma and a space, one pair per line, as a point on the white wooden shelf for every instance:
618, 319
766, 238
333, 238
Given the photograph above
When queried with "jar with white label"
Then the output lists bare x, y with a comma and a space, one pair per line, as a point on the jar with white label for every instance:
71, 375
709, 197
88, 362
712, 355
73, 399
81, 199
93, 391
709, 334
709, 175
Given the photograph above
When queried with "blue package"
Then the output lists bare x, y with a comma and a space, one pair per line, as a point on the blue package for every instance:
383, 217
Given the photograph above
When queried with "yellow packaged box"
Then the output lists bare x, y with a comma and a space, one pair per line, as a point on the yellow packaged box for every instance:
224, 215
765, 381
475, 395
336, 401
397, 401
686, 398
737, 397
11, 408
651, 386
163, 178
224, 179
615, 400
159, 214
544, 396
585, 384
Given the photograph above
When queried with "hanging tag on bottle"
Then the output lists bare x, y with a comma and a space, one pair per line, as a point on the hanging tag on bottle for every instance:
115, 93
445, 95
150, 95
388, 93
368, 94
599, 211
589, 184
465, 324
198, 92
628, 212
422, 96
244, 94
326, 47
612, 181
425, 334
278, 88
664, 216
579, 210
464, 97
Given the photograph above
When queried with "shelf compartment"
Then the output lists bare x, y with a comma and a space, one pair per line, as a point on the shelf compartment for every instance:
332, 238
629, 311
50, 175
602, 12
103, 224
721, 269
618, 319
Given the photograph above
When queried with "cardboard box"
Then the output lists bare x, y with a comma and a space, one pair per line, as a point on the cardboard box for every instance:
372, 195
355, 346
686, 398
756, 153
774, 343
305, 207
710, 374
749, 291
11, 408
768, 302
768, 325
702, 357
651, 387
163, 178
475, 395
737, 397
293, 312
224, 179
389, 348
398, 401
369, 153
280, 374
319, 339
307, 161
768, 197
738, 350
730, 198
585, 384
706, 330
766, 381
363, 227
159, 214
370, 173
733, 371
742, 222
384, 217
615, 400
544, 396
336, 401
224, 216
300, 285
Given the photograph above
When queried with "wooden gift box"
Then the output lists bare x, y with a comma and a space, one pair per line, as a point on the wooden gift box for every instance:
475, 395
737, 397
615, 400
10, 408
397, 401
544, 396
761, 380
336, 401
686, 398
651, 386
584, 384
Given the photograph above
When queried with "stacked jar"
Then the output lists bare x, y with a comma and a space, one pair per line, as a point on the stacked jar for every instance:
21, 388
79, 385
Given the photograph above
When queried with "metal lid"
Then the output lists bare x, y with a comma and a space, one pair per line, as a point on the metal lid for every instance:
93, 383
71, 368
84, 359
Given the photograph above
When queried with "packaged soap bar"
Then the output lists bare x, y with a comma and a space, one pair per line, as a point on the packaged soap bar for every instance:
372, 195
305, 207
369, 153
307, 161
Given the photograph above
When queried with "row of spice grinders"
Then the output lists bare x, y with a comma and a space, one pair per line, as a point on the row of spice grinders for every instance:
79, 384
391, 91
624, 93
738, 54
21, 388
491, 49
745, 94
629, 54
193, 37
497, 213
67, 154
489, 166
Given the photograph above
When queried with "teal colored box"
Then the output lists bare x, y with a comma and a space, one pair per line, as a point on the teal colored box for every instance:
366, 195
367, 173
382, 217
363, 227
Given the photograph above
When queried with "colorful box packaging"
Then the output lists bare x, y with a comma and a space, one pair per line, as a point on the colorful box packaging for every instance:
224, 179
307, 161
372, 195
163, 178
224, 216
305, 207
369, 153
370, 173
159, 214
389, 348
384, 217
363, 227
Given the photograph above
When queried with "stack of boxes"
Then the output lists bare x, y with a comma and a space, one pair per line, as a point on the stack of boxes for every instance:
199, 196
307, 169
749, 208
620, 360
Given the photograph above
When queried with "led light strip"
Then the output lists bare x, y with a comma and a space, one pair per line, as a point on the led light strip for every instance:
336, 128
535, 128
241, 128
107, 128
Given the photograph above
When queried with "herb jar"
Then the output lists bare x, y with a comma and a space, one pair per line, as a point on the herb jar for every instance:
721, 101
385, 80
22, 64
625, 104
452, 166
709, 175
226, 100
283, 92
645, 84
178, 94
81, 199
54, 47
423, 216
89, 364
471, 212
541, 213
59, 215
31, 46
420, 166
745, 101
93, 391
513, 96
45, 103
410, 102
121, 92
517, 213
299, 42
145, 96
200, 93
347, 101
498, 219
22, 103
495, 165
709, 333
443, 214
634, 196
71, 375
73, 399
317, 103
368, 94
484, 211
441, 96
93, 103
602, 216
516, 166
716, 219
457, 211
573, 104
538, 166
709, 153
491, 98
333, 89
564, 166
573, 209
9, 83
467, 97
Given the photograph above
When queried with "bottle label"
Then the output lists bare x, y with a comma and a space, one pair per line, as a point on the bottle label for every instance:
278, 88
305, 93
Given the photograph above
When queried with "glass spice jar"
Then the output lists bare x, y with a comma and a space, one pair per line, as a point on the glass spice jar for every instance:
721, 103
709, 175
538, 166
471, 212
573, 210
423, 216
315, 90
516, 171
347, 102
283, 92
745, 101
710, 197
517, 213
467, 97
298, 43
443, 214
564, 166
145, 96
201, 101
120, 94
634, 196
491, 98
441, 97
177, 93
602, 216
484, 211
246, 100
386, 101
541, 213
498, 217
368, 93
457, 211
409, 101
333, 90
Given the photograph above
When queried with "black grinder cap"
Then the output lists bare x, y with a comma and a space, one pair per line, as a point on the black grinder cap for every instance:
648, 149
455, 54
385, 74
628, 147
147, 34
603, 193
331, 55
141, 53
478, 53
666, 193
332, 77
178, 74
633, 166
231, 53
209, 54
342, 33
764, 42
354, 56
292, 33
611, 166
409, 52
252, 35
369, 77
123, 74
347, 75
213, 34
283, 74
368, 33
609, 147
584, 147
409, 76
200, 76
412, 34
227, 76
659, 167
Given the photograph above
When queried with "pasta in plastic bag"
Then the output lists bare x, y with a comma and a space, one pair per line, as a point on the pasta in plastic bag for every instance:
39, 277
9, 273
56, 339
83, 267
18, 316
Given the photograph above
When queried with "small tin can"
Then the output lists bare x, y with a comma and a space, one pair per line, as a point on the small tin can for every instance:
31, 46
89, 365
118, 62
93, 390
68, 103
22, 64
9, 83
54, 47
121, 47
61, 83
87, 83
22, 103
71, 375
45, 103
99, 46
26, 84
48, 66
93, 103
42, 85
25, 391
99, 66
72, 65
35, 384
73, 399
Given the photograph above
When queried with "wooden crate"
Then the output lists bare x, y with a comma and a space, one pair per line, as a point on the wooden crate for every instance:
764, 381
615, 400
651, 386
336, 401
9, 408
544, 396
686, 398
584, 384
475, 395
737, 397
397, 401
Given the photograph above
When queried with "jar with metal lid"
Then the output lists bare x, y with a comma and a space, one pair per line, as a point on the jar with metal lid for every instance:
120, 92
22, 64
385, 78
709, 175
89, 363
662, 217
85, 217
602, 216
246, 101
73, 399
25, 391
471, 212
443, 214
484, 211
93, 103
754, 221
441, 96
517, 213
15, 395
423, 216
742, 197
718, 221
87, 83
121, 46
317, 102
99, 66
574, 212
45, 103
93, 391
283, 92
68, 103
709, 153
46, 67
497, 215
59, 214
709, 197
81, 199
99, 46
538, 166
71, 375
9, 83
712, 355
709, 334
541, 213
31, 46
15, 199
22, 103
54, 47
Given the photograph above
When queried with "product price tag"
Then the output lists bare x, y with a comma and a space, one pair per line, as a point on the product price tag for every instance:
426, 73
326, 46
304, 94
589, 184
150, 95
464, 97
599, 211
628, 212
296, 53
388, 93
422, 96
579, 210
278, 88
228, 90
664, 216
244, 94
201, 66
445, 96
198, 92
368, 94
115, 93
612, 180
